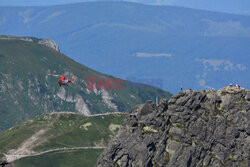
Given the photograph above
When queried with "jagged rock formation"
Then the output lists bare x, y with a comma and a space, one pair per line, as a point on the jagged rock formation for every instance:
193, 128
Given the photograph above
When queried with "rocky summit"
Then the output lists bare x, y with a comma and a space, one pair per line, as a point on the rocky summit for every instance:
193, 128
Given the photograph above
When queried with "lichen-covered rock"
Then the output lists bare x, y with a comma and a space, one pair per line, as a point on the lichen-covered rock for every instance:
4, 163
248, 96
193, 128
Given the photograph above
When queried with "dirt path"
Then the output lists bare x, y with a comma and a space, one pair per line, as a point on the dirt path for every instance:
110, 113
27, 146
93, 115
14, 157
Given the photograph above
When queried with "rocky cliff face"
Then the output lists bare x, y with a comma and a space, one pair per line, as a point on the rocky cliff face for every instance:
193, 128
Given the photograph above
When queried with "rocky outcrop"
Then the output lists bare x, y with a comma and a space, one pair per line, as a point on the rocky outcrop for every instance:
46, 42
4, 163
193, 128
49, 43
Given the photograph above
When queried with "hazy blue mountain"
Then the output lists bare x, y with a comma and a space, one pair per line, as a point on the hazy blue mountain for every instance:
169, 47
228, 6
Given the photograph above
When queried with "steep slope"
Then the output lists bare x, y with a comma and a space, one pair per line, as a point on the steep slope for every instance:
168, 47
56, 136
193, 128
26, 90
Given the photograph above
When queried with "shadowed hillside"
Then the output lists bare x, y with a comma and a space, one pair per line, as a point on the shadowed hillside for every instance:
28, 91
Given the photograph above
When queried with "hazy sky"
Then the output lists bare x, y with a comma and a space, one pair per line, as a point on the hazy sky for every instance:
229, 6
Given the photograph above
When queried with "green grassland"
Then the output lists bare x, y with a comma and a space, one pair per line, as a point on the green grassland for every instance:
62, 130
82, 158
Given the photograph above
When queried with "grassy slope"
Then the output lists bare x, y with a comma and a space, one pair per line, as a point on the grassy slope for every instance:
65, 130
23, 68
84, 158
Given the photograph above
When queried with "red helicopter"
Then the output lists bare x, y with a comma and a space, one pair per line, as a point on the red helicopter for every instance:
63, 80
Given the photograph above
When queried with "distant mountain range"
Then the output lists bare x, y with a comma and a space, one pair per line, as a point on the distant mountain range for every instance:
228, 6
168, 47
26, 89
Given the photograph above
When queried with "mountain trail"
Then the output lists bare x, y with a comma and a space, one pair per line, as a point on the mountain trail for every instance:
16, 156
27, 146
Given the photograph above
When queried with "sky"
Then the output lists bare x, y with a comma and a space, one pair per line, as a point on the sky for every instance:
228, 6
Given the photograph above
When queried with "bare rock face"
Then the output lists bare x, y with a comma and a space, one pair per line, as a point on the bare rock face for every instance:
193, 128
4, 163
49, 43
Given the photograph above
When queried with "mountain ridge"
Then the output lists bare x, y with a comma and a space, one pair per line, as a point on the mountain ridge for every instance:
46, 42
217, 7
